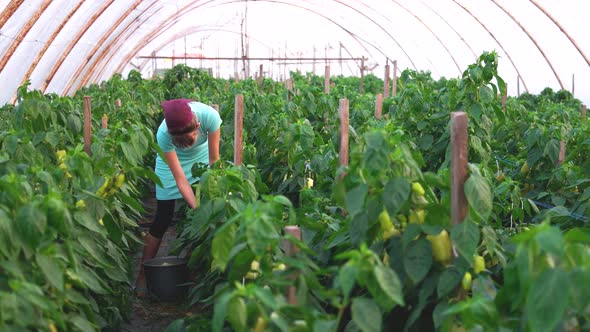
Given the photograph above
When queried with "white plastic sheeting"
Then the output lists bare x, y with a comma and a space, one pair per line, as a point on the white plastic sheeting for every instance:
62, 45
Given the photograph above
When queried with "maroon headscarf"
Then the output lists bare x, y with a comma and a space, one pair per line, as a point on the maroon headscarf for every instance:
177, 113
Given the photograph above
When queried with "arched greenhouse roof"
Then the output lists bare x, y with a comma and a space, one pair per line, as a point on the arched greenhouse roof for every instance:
63, 45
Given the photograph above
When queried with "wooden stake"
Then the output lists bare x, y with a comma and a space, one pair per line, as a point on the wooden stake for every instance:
289, 89
459, 148
236, 77
518, 86
386, 82
238, 127
505, 98
561, 157
260, 78
105, 120
573, 84
87, 125
343, 111
583, 112
216, 107
394, 81
327, 80
291, 250
362, 74
378, 106
118, 103
155, 65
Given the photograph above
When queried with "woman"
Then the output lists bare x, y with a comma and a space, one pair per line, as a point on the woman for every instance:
189, 134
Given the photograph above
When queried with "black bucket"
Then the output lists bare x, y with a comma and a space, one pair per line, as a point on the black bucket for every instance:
166, 278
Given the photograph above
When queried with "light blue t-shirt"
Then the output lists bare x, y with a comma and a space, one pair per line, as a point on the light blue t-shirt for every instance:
198, 152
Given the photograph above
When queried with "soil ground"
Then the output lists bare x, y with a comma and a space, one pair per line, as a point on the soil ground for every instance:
148, 314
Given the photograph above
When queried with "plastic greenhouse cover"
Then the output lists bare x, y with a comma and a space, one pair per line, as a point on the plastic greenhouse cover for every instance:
73, 43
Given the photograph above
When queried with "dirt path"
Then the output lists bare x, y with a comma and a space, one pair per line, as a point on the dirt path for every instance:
148, 314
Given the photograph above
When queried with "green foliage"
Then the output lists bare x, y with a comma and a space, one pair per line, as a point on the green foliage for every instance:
541, 289
61, 266
66, 244
347, 267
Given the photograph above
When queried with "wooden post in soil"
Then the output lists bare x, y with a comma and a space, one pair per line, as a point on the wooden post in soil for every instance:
216, 107
87, 125
459, 148
561, 156
238, 127
236, 77
394, 79
155, 65
583, 112
260, 79
289, 89
291, 250
378, 106
118, 103
343, 111
362, 75
327, 80
227, 86
386, 81
505, 98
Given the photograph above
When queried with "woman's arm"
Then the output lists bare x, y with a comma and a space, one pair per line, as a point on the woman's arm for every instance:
183, 186
213, 139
